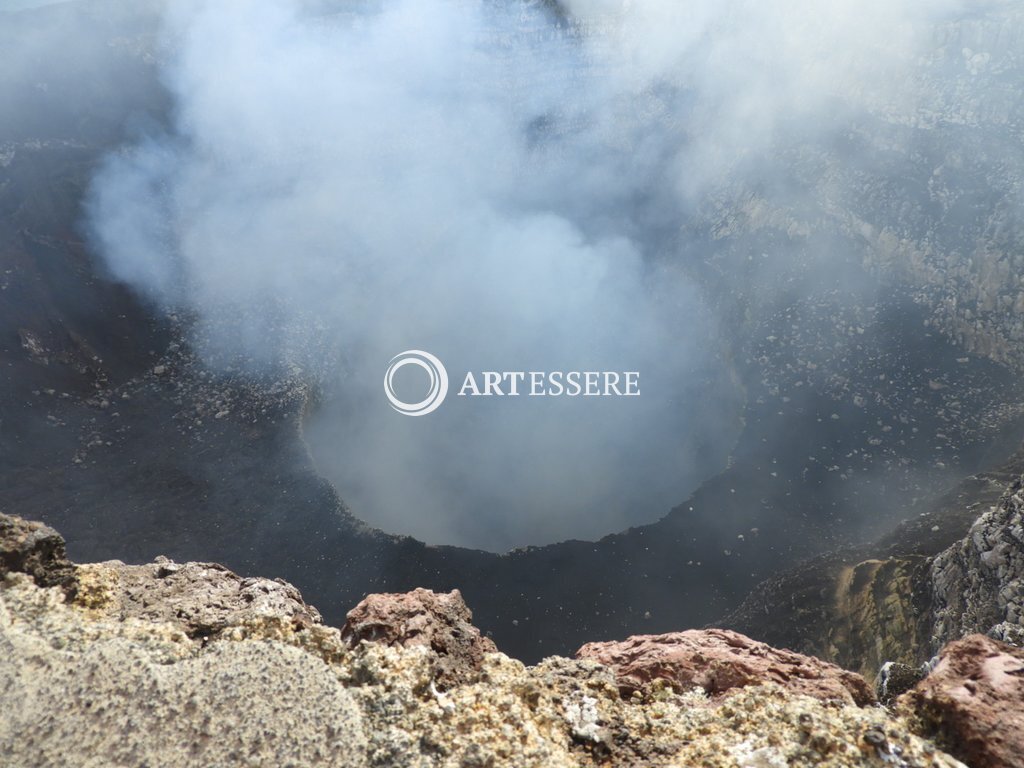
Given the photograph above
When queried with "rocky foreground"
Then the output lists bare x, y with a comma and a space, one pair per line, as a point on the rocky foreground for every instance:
169, 664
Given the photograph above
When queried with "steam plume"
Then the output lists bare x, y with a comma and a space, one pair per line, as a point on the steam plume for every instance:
503, 184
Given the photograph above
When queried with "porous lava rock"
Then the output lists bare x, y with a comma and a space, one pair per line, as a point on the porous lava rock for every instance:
719, 660
972, 702
439, 621
34, 549
203, 599
117, 677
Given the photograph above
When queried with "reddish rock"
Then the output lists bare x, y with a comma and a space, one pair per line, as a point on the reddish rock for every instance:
972, 702
37, 550
439, 621
719, 660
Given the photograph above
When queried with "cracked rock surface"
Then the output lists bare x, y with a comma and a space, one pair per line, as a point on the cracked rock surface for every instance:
979, 582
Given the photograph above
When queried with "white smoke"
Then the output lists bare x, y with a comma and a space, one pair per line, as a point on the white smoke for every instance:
501, 184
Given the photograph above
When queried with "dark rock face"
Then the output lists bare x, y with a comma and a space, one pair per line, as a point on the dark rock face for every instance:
978, 583
441, 622
954, 570
718, 660
37, 550
203, 598
894, 679
973, 702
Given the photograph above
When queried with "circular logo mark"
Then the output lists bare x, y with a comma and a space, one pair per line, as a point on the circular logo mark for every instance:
438, 382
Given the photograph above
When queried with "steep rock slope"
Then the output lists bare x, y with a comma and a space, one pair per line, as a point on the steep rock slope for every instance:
903, 598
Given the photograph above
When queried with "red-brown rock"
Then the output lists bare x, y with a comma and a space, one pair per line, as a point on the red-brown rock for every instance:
972, 702
439, 621
718, 660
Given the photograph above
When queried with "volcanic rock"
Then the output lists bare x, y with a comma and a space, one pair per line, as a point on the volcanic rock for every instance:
245, 676
979, 581
719, 660
972, 703
439, 621
81, 690
1005, 632
895, 679
902, 598
35, 549
201, 598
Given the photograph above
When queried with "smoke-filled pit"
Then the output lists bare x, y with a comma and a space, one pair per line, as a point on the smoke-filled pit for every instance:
514, 186
424, 204
512, 458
